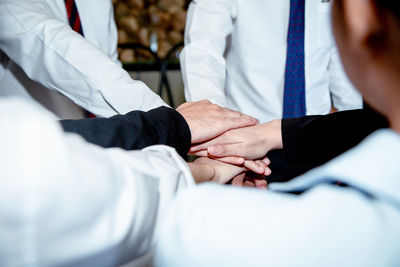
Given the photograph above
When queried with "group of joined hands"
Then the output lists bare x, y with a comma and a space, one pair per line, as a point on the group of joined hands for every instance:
231, 146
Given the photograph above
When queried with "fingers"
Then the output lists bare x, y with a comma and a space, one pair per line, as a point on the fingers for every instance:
248, 183
250, 180
255, 166
236, 114
258, 166
203, 146
222, 172
207, 121
260, 184
228, 150
202, 153
232, 160
265, 163
235, 123
259, 180
238, 180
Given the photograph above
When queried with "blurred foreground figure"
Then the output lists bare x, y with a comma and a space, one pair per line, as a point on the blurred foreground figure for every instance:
65, 202
345, 213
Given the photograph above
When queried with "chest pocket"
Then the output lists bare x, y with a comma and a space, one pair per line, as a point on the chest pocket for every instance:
325, 34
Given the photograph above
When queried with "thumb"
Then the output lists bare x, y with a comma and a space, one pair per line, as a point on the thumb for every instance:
229, 150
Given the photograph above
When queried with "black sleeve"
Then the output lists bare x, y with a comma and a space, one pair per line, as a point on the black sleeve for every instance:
313, 140
135, 130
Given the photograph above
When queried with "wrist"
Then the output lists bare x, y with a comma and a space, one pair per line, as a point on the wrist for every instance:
272, 135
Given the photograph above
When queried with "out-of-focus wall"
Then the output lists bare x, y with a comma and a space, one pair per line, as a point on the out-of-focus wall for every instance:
152, 78
158, 24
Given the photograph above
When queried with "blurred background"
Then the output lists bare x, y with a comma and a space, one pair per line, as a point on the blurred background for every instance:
150, 38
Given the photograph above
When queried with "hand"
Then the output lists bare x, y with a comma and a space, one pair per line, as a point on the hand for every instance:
260, 166
248, 179
207, 121
206, 170
247, 143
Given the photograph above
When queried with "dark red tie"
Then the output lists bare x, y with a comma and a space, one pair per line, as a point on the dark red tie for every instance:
73, 16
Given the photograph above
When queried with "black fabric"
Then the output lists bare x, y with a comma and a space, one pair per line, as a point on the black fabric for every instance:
278, 166
314, 140
135, 130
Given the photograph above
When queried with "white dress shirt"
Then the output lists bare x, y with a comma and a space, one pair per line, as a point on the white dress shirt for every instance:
39, 51
235, 56
326, 225
65, 202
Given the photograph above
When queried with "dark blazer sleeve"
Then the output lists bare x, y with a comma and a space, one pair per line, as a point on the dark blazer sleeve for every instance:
135, 130
313, 140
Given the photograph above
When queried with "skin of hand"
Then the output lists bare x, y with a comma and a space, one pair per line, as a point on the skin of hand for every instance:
257, 166
207, 121
249, 179
249, 143
207, 170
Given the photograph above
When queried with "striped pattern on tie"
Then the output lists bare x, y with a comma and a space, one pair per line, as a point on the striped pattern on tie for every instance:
73, 16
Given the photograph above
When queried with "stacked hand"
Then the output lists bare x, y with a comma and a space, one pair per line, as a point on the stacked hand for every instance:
207, 121
252, 142
235, 142
205, 169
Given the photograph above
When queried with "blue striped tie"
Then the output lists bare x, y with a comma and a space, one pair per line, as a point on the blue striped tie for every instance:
294, 103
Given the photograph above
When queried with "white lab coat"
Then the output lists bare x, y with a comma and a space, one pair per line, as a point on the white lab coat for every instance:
235, 56
65, 202
326, 225
39, 50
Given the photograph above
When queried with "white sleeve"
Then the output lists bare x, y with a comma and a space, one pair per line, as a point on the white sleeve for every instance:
64, 202
327, 226
51, 53
208, 24
344, 95
113, 53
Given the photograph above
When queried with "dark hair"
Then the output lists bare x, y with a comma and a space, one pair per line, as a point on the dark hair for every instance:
392, 6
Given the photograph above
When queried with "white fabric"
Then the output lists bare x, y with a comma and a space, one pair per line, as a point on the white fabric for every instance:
324, 226
66, 202
235, 56
41, 47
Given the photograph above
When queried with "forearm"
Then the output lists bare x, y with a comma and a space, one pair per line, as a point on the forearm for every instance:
106, 202
135, 130
317, 139
67, 62
202, 60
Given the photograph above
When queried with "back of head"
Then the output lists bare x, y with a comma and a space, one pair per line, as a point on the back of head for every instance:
368, 37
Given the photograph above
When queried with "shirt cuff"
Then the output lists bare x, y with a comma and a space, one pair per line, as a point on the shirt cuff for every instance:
174, 126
